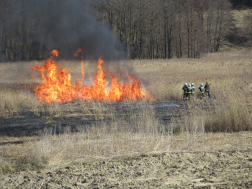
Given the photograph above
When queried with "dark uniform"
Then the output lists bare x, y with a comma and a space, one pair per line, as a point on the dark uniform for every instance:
207, 89
185, 91
189, 92
202, 89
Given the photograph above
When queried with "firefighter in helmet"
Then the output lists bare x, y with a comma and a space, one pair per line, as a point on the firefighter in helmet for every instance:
189, 92
202, 90
185, 91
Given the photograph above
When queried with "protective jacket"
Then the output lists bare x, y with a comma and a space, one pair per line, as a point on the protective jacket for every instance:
193, 89
185, 88
189, 90
201, 88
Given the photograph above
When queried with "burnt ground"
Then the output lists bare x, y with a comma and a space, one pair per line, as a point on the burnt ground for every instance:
184, 169
76, 116
79, 116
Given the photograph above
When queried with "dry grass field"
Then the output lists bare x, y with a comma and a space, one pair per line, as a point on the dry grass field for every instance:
222, 123
229, 73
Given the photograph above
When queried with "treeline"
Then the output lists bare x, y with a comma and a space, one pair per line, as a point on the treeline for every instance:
169, 28
30, 29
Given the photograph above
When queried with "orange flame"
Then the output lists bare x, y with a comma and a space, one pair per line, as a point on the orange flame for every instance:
56, 85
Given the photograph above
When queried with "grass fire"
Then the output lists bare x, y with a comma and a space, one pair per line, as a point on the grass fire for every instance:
40, 129
116, 94
57, 85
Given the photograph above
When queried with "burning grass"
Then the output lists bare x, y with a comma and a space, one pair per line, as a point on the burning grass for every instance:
228, 111
57, 86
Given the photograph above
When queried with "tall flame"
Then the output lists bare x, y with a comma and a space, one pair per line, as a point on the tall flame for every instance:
56, 85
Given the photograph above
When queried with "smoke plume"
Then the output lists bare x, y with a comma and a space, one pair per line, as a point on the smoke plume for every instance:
66, 25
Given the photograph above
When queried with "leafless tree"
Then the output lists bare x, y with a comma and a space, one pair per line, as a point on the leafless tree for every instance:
30, 29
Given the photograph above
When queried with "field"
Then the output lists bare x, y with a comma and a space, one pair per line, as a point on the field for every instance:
197, 143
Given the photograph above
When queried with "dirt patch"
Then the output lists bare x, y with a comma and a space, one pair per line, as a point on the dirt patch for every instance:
219, 169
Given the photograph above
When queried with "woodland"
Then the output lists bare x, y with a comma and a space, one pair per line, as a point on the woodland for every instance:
120, 29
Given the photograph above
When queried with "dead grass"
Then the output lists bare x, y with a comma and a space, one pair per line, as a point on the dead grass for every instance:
240, 18
228, 111
232, 114
13, 98
103, 143
225, 71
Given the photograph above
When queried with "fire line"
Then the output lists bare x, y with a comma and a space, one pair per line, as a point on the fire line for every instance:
56, 85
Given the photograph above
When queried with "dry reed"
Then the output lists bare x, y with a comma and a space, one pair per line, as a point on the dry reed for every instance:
229, 110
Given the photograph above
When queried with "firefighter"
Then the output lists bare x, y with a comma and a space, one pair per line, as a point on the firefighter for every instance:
207, 89
185, 91
202, 89
193, 89
189, 92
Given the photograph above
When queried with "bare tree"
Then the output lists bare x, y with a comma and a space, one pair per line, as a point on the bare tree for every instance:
30, 29
218, 19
